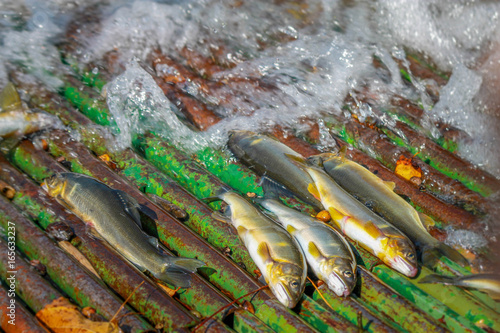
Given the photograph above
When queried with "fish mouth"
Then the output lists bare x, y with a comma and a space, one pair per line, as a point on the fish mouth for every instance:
338, 285
404, 267
283, 295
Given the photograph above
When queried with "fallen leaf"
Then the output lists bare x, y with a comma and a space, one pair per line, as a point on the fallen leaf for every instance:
170, 292
324, 216
63, 317
73, 251
248, 306
106, 159
407, 169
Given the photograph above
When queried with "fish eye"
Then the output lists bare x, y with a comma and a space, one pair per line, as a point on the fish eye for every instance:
347, 274
294, 284
410, 256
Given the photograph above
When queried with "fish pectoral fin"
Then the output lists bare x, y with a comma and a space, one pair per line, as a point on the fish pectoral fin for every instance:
373, 230
313, 189
291, 230
220, 217
92, 232
390, 185
9, 98
263, 252
273, 189
426, 220
313, 250
130, 206
175, 278
153, 241
148, 211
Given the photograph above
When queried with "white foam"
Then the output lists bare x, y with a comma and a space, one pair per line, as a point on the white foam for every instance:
138, 105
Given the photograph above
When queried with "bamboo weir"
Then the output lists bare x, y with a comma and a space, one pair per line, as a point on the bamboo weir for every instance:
57, 260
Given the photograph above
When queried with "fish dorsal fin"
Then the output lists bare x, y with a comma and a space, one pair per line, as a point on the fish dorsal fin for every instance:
373, 230
296, 158
130, 206
291, 230
263, 252
9, 98
313, 250
342, 152
153, 241
313, 189
390, 185
426, 220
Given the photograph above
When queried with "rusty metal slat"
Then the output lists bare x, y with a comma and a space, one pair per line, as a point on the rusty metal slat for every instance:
71, 278
485, 182
443, 186
439, 311
383, 298
119, 275
372, 321
23, 320
33, 289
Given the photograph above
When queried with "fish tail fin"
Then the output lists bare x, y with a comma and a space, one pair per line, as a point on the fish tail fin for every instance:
435, 278
185, 264
432, 254
217, 196
176, 271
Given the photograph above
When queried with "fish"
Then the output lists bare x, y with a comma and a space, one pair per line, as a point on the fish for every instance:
381, 198
485, 282
267, 156
15, 120
362, 225
276, 254
113, 216
327, 252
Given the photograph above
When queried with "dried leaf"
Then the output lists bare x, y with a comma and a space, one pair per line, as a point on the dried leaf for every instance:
248, 306
63, 317
407, 169
170, 292
324, 216
106, 159
73, 251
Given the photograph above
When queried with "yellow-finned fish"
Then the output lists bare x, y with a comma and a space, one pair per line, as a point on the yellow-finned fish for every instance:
327, 252
15, 121
362, 225
488, 283
379, 195
275, 253
115, 216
